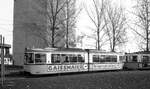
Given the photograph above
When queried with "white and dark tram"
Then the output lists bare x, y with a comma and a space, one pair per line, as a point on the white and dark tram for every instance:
137, 60
63, 60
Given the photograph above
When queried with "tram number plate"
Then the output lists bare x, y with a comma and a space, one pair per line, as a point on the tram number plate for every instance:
66, 67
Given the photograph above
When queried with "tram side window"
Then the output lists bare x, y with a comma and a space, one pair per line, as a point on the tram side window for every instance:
40, 58
76, 58
95, 58
55, 58
67, 58
80, 58
64, 58
145, 58
111, 58
107, 58
104, 58
73, 58
29, 58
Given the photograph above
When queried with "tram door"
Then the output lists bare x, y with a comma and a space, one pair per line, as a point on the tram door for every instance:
146, 60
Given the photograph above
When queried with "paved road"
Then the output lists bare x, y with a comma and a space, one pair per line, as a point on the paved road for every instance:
99, 80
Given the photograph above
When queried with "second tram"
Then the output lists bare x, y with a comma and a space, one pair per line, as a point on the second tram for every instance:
137, 60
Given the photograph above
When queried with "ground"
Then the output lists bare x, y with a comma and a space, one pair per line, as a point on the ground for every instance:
135, 79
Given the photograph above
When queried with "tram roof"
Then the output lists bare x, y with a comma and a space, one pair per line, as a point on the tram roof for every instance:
103, 51
70, 50
56, 49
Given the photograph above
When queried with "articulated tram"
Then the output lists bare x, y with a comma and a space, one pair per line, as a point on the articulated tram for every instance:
63, 60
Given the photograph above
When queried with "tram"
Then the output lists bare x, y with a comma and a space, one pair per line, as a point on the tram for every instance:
137, 60
64, 60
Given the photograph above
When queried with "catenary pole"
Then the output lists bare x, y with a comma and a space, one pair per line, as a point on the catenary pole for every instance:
2, 60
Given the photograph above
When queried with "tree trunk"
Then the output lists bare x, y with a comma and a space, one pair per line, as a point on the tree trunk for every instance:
147, 39
113, 48
98, 39
147, 28
53, 33
67, 34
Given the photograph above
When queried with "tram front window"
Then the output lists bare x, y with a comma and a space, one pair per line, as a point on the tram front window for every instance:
29, 58
40, 58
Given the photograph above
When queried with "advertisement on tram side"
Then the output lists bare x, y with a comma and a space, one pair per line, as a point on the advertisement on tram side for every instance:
67, 68
106, 66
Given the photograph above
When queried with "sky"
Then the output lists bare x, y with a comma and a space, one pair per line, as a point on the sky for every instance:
6, 22
84, 25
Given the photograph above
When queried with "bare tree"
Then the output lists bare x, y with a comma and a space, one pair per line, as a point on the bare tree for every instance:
70, 17
115, 25
96, 15
54, 8
142, 23
46, 23
59, 15
38, 30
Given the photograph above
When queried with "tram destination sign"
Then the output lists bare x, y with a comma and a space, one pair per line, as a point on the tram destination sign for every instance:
75, 67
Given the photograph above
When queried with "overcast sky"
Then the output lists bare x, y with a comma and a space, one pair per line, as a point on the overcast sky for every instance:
84, 23
6, 20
